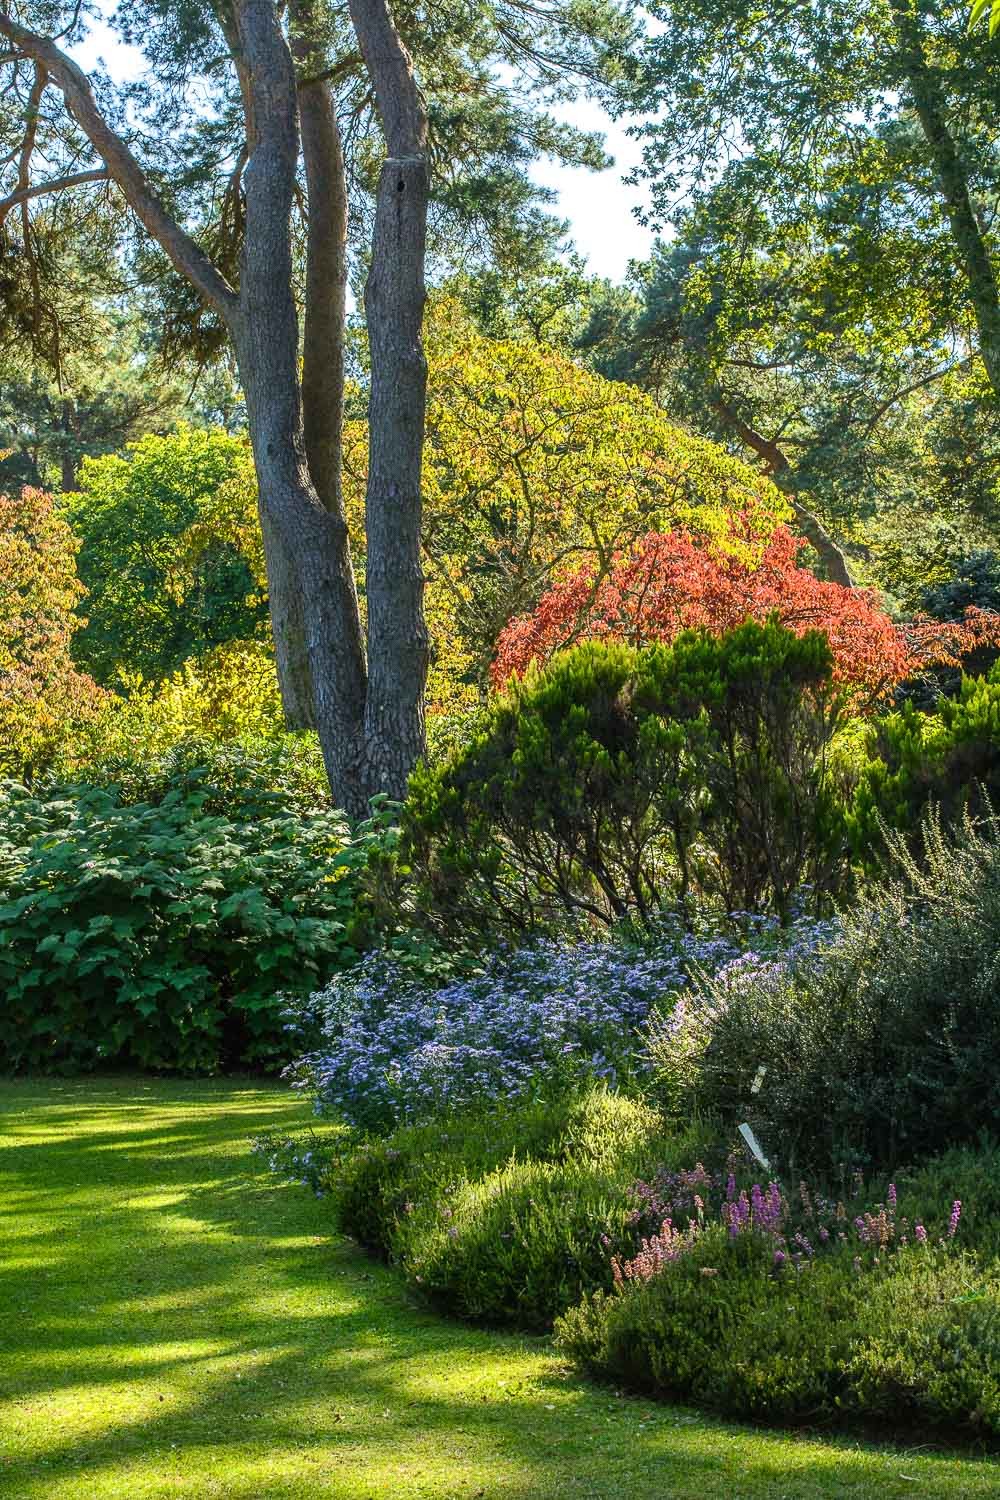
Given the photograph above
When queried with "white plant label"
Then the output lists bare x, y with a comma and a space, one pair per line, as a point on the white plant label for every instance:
754, 1146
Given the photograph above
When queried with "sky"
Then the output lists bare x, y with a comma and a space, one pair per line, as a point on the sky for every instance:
598, 205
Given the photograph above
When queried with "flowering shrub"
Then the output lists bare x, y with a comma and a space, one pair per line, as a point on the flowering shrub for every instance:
763, 1302
917, 1335
797, 1228
395, 1049
389, 1047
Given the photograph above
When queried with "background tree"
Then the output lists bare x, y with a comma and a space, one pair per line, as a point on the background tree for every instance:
162, 587
832, 176
672, 582
44, 700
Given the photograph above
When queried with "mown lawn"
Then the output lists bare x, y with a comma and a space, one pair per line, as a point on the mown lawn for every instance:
172, 1323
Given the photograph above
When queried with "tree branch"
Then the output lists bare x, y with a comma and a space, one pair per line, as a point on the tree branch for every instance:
122, 166
38, 190
780, 470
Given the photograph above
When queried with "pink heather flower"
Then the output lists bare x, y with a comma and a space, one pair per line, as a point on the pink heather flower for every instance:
920, 1234
891, 1198
956, 1214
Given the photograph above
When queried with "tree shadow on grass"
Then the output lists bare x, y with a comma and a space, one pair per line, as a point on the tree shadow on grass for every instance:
176, 1322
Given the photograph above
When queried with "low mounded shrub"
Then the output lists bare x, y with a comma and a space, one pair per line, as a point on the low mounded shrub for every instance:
504, 1218
160, 935
879, 1048
867, 1314
916, 1340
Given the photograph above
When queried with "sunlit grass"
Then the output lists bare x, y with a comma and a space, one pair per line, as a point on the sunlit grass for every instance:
173, 1323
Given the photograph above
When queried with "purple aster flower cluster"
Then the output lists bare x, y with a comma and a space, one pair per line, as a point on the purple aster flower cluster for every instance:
395, 1049
767, 956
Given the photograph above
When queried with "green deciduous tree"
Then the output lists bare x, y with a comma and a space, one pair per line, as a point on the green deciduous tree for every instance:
158, 590
830, 302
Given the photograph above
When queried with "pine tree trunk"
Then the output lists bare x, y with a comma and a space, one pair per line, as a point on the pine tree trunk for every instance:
315, 609
398, 643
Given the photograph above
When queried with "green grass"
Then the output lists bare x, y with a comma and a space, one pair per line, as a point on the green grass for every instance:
173, 1323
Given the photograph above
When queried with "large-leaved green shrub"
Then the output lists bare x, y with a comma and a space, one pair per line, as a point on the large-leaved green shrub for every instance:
162, 934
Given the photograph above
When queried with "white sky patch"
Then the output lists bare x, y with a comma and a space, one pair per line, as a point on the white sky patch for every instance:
599, 205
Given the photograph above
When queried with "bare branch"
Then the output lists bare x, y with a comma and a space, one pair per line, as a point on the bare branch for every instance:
40, 189
780, 470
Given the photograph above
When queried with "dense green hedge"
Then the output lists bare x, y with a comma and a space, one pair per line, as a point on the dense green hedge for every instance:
161, 934
616, 781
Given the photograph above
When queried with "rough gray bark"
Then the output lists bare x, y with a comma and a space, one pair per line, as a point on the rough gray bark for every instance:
398, 645
371, 729
929, 103
779, 469
311, 542
326, 264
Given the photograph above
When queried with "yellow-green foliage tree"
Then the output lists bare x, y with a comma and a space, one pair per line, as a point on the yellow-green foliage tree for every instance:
533, 467
44, 700
165, 579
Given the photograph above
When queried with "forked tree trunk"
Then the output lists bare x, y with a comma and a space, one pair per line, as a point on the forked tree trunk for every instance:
309, 543
371, 729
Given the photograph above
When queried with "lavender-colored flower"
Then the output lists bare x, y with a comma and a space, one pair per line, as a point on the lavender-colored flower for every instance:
956, 1214
920, 1234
